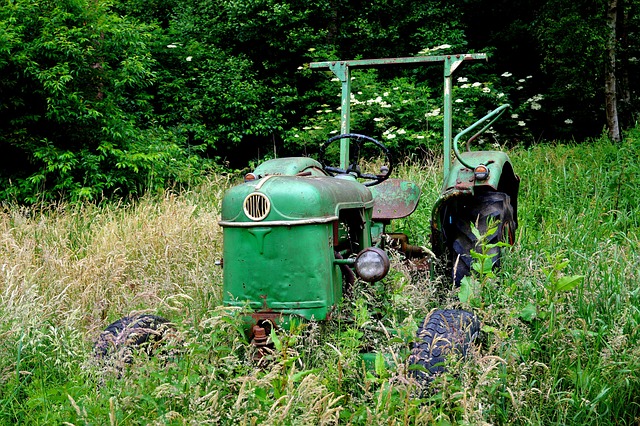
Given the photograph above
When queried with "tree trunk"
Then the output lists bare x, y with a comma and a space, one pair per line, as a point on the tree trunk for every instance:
610, 76
622, 55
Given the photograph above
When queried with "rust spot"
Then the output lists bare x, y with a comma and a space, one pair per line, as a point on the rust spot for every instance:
264, 301
464, 185
267, 315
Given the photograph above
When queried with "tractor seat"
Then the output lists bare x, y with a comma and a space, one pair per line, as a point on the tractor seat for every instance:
394, 199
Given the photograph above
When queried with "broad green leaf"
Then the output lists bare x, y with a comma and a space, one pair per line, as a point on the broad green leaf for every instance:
529, 312
487, 266
261, 394
301, 374
466, 290
276, 340
490, 329
568, 283
381, 366
475, 231
560, 266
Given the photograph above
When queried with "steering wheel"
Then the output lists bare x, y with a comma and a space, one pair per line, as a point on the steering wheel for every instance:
355, 168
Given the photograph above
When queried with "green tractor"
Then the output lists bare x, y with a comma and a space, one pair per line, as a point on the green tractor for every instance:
299, 232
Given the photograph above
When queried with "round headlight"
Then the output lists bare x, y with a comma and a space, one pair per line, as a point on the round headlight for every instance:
481, 172
372, 264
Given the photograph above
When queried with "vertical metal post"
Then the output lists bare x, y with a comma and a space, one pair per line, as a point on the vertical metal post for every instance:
341, 70
448, 114
450, 65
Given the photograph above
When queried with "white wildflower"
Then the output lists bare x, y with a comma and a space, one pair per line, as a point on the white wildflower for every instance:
568, 121
535, 105
506, 74
486, 90
521, 123
189, 58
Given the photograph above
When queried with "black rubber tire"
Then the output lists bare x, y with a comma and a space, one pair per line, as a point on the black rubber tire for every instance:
479, 209
443, 333
121, 337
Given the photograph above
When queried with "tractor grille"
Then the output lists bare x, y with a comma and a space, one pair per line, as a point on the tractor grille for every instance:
256, 206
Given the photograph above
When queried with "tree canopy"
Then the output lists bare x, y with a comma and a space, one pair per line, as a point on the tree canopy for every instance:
105, 98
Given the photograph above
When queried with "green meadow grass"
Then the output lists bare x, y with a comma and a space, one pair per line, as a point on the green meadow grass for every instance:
561, 319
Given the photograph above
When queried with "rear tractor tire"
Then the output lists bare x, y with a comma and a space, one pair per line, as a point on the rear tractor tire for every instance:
479, 210
444, 333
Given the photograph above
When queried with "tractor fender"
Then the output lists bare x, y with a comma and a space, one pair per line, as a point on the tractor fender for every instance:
462, 178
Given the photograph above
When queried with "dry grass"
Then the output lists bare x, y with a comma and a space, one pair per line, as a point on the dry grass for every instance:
93, 264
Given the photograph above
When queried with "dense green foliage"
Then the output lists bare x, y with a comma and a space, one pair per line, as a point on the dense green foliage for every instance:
103, 98
77, 116
561, 319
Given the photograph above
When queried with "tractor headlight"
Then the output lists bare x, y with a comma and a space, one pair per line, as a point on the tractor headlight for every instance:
372, 264
481, 172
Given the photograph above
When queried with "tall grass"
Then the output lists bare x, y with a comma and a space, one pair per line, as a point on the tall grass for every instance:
547, 356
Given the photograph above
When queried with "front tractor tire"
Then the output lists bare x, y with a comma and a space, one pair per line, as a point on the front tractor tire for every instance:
442, 334
122, 337
479, 210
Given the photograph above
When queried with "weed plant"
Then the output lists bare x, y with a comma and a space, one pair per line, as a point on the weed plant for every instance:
561, 318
